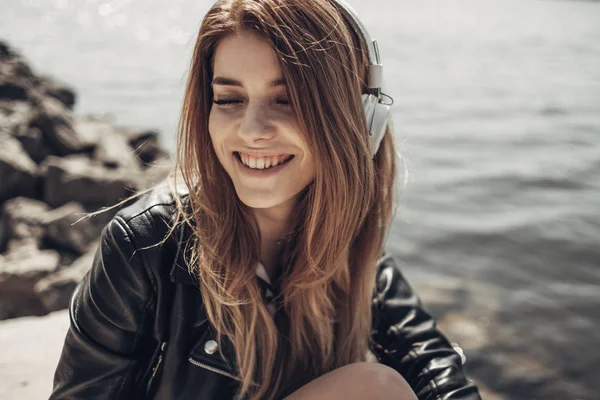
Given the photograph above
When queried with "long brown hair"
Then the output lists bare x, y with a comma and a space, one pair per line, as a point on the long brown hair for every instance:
329, 260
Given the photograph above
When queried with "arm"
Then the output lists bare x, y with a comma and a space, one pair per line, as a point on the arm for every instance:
405, 338
111, 310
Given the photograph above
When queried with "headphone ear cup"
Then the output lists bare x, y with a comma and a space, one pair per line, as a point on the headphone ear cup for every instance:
376, 114
380, 120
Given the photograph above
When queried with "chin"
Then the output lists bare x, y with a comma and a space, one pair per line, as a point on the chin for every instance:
259, 201
263, 200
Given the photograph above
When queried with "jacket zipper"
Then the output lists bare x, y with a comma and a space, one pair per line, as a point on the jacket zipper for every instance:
213, 369
159, 361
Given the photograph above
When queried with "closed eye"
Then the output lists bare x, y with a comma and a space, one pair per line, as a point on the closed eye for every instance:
225, 102
283, 102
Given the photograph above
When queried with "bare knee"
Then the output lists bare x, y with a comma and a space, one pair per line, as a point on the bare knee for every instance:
380, 381
363, 380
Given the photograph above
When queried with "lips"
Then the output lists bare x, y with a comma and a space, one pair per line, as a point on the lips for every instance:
258, 155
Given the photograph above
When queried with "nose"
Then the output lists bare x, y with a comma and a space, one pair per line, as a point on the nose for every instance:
256, 124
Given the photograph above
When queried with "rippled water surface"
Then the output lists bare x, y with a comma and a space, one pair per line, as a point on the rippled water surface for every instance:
497, 106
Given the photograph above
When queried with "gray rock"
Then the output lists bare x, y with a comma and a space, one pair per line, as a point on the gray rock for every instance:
5, 51
90, 129
20, 269
12, 64
33, 142
54, 291
55, 122
13, 90
4, 234
18, 173
113, 151
68, 228
76, 178
60, 92
15, 117
146, 146
18, 68
24, 219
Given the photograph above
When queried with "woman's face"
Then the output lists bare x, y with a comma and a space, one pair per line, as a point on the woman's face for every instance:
252, 127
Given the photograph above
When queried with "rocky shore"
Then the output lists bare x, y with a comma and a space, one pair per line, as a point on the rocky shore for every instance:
55, 168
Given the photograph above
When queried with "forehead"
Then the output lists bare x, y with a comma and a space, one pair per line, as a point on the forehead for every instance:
246, 57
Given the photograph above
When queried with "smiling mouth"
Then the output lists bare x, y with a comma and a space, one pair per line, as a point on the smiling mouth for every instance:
263, 163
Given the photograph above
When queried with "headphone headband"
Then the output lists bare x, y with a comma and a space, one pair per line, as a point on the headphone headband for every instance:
376, 111
375, 66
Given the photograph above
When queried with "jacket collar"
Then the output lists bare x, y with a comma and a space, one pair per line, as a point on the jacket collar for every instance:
179, 270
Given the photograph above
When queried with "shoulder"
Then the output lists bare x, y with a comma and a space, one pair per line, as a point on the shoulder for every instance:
160, 202
390, 281
149, 217
143, 231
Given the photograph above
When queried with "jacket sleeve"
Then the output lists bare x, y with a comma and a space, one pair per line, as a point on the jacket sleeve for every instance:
110, 311
405, 338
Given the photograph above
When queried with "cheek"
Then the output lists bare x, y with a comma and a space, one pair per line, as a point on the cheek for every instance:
310, 165
212, 126
215, 131
219, 125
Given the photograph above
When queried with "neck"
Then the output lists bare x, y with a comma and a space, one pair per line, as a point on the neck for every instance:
274, 223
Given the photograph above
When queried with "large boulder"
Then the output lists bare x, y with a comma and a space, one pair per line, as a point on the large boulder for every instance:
23, 219
18, 173
54, 291
5, 51
11, 89
20, 269
67, 227
146, 146
76, 178
33, 142
113, 151
4, 234
14, 116
55, 122
15, 119
59, 91
90, 129
12, 64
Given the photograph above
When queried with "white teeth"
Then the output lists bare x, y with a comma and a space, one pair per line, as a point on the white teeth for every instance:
260, 162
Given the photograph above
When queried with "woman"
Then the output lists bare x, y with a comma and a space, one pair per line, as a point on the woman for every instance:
263, 278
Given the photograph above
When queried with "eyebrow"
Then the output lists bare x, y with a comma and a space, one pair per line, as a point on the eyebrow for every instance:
220, 80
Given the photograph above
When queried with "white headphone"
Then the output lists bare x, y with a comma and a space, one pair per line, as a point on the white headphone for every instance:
376, 111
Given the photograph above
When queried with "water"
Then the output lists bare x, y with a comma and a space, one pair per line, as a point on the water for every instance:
497, 106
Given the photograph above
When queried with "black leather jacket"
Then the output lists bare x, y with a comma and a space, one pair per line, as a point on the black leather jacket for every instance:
138, 331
